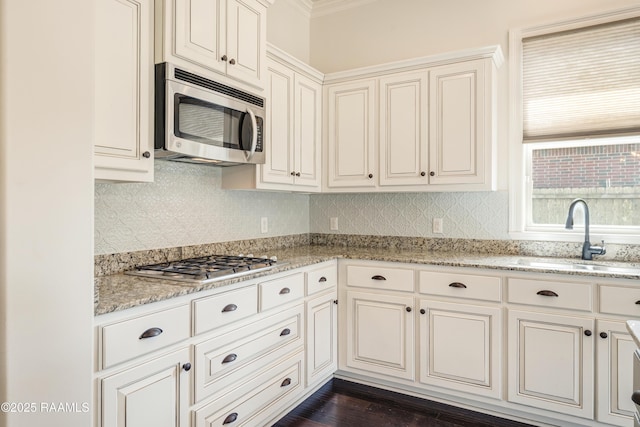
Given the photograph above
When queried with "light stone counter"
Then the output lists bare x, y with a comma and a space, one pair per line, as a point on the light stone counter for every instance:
118, 291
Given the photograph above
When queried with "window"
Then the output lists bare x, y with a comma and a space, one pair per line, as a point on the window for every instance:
576, 88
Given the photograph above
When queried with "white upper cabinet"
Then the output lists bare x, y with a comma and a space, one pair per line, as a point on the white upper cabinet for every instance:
351, 133
123, 90
293, 130
224, 36
404, 129
431, 120
461, 131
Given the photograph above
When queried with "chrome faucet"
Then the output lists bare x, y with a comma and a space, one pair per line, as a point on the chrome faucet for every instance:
588, 251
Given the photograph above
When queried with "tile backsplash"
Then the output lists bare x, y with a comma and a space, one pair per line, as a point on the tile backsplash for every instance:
470, 215
185, 206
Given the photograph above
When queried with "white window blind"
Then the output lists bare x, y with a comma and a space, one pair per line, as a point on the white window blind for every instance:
583, 82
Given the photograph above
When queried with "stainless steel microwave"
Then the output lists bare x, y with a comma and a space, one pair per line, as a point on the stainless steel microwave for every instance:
198, 120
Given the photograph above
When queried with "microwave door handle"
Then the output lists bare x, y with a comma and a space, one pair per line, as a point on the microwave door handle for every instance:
254, 138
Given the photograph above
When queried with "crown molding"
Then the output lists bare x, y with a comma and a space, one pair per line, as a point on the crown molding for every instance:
327, 7
303, 6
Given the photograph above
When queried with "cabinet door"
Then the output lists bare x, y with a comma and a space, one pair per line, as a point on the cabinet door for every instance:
279, 163
457, 115
307, 119
460, 347
380, 336
123, 145
615, 349
155, 393
351, 134
200, 32
403, 129
246, 37
322, 340
551, 362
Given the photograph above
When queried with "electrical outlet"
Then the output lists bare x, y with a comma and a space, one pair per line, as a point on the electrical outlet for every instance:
437, 225
334, 223
264, 224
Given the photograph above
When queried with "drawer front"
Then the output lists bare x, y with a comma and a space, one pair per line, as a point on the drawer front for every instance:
545, 293
219, 310
227, 360
277, 292
321, 279
457, 285
397, 279
259, 400
131, 338
619, 300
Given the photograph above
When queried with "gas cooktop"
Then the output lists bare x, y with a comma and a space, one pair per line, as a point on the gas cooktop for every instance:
205, 269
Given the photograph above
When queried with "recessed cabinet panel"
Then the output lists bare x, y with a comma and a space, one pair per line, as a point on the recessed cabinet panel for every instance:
246, 38
308, 104
351, 134
460, 347
551, 362
322, 342
279, 132
458, 146
615, 349
123, 90
403, 129
151, 394
380, 334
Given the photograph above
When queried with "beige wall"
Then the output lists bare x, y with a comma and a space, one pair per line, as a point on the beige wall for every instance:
46, 220
289, 28
389, 30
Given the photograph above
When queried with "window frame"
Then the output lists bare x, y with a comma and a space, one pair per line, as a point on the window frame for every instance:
519, 169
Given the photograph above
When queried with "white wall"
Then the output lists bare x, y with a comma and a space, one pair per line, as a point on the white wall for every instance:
46, 222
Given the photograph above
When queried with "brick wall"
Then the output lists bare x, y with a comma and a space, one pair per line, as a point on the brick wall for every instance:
587, 167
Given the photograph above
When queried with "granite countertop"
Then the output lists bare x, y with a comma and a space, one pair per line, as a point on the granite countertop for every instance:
119, 291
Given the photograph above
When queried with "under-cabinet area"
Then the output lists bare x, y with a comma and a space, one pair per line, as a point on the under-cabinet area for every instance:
241, 354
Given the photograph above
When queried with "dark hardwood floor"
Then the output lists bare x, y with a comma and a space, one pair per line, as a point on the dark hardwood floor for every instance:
346, 404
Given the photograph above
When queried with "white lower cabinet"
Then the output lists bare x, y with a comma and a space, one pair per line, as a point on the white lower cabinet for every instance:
254, 403
551, 362
322, 337
379, 335
544, 337
460, 346
614, 353
235, 355
155, 393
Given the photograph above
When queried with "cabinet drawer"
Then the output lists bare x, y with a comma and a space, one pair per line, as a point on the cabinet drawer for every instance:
131, 338
227, 360
619, 300
396, 279
219, 310
281, 291
458, 285
546, 293
321, 279
256, 402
